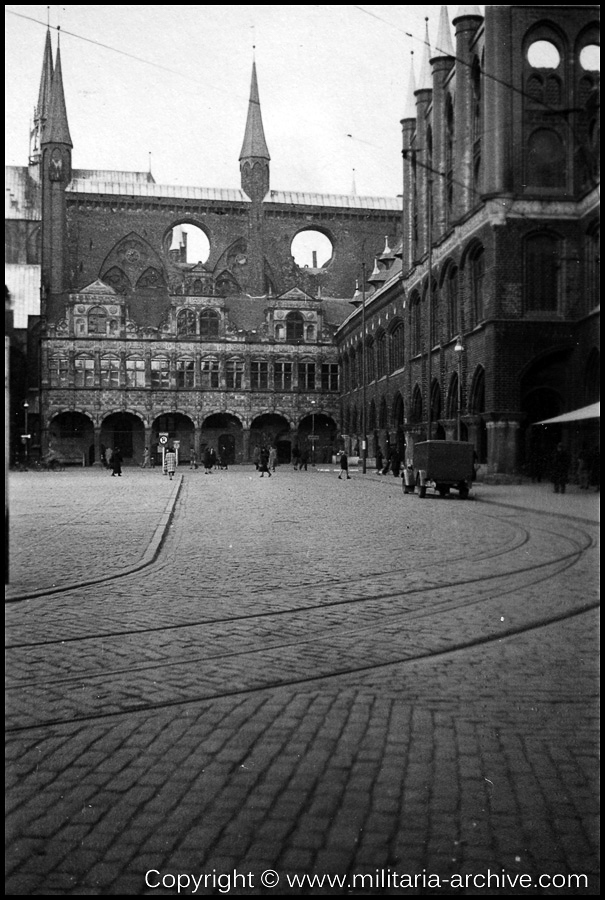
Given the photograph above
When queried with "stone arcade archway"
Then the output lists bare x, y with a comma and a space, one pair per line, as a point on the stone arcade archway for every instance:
271, 429
126, 431
71, 438
318, 434
224, 433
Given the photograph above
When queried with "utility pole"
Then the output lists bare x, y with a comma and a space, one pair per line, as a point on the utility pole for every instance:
429, 296
364, 436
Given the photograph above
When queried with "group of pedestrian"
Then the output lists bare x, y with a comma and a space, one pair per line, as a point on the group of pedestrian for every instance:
300, 459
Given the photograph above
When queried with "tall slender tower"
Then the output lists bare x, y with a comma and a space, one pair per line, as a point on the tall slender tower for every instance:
56, 147
254, 168
41, 110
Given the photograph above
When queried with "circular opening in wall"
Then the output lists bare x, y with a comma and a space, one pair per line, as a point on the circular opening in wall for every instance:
311, 249
543, 55
188, 245
590, 58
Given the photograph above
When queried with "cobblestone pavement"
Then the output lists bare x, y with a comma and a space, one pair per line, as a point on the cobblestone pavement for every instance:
308, 676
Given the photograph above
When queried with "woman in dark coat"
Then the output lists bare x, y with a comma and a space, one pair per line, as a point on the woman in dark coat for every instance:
344, 466
116, 462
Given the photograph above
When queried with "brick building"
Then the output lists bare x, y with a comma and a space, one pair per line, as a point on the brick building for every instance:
486, 318
137, 338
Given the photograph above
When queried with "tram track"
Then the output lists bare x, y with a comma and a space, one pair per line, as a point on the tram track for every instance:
522, 538
332, 640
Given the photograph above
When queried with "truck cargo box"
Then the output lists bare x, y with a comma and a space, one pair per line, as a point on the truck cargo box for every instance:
449, 464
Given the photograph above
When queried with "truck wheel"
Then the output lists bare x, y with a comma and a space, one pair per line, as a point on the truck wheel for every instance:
442, 489
463, 490
422, 490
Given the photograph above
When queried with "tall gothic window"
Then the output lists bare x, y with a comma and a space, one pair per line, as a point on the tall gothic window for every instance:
541, 281
416, 323
477, 127
454, 326
449, 158
398, 346
477, 274
545, 159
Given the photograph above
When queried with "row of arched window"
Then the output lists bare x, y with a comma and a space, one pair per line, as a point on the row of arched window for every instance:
202, 373
381, 415
384, 354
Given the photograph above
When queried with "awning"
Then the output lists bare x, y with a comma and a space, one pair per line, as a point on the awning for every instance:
577, 415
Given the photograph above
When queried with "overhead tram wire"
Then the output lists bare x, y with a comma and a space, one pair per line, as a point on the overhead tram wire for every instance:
506, 84
141, 59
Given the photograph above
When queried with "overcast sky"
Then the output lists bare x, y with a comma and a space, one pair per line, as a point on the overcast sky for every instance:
332, 81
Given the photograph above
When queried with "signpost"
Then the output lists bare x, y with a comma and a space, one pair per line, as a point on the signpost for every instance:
162, 448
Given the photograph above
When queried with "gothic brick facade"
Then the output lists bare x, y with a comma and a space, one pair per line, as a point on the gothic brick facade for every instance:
500, 145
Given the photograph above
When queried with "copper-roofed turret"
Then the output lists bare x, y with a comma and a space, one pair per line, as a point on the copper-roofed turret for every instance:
254, 156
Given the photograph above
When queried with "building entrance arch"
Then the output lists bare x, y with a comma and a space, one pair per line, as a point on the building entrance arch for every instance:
224, 433
71, 438
271, 429
318, 434
124, 431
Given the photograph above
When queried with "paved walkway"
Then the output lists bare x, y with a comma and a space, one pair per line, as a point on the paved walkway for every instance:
310, 678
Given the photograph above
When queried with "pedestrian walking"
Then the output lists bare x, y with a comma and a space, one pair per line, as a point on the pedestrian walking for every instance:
108, 455
272, 458
303, 460
379, 461
170, 461
344, 466
256, 457
582, 470
295, 457
192, 457
560, 469
145, 464
208, 460
264, 463
116, 462
395, 463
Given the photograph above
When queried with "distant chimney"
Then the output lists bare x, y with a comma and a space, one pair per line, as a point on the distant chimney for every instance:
314, 259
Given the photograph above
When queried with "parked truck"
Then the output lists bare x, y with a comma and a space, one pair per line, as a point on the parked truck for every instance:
448, 464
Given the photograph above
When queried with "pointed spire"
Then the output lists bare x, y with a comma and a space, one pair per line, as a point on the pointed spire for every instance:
45, 79
445, 45
378, 275
254, 145
57, 129
410, 106
425, 82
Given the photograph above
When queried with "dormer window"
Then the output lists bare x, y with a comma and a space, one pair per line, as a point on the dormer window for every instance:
295, 327
97, 320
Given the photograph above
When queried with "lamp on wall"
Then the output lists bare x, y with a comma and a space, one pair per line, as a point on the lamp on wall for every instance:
459, 349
